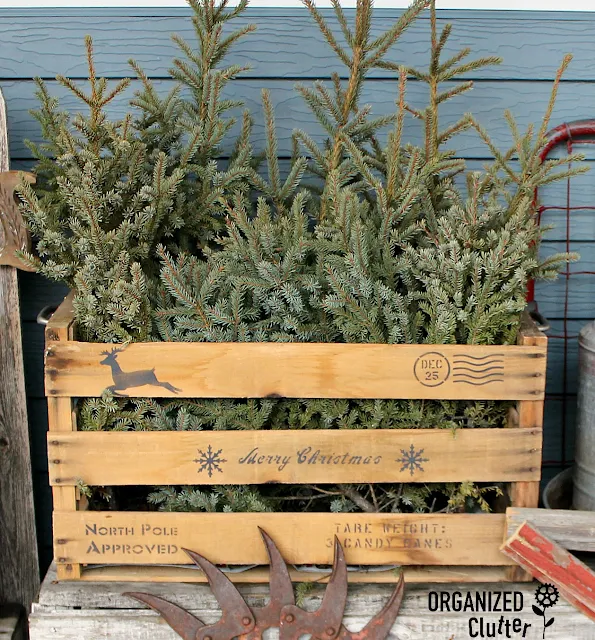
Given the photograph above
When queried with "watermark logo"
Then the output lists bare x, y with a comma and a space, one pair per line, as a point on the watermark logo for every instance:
547, 596
497, 614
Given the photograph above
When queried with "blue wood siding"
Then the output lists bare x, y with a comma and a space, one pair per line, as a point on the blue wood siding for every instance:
287, 49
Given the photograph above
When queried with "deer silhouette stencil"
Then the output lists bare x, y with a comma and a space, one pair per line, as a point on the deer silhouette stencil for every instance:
127, 379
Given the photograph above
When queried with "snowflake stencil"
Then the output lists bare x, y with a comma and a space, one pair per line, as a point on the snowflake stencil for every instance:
209, 461
412, 460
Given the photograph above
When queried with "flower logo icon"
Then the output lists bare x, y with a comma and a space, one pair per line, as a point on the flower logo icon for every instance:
547, 596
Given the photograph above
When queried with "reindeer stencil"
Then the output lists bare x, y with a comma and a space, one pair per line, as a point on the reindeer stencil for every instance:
127, 379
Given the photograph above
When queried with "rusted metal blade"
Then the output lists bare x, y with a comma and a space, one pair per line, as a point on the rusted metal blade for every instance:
380, 625
325, 623
182, 622
237, 618
281, 592
239, 621
280, 583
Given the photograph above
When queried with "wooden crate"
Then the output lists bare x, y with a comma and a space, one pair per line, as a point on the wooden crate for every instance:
149, 545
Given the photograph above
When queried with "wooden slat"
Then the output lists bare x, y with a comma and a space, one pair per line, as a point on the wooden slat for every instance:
232, 538
551, 564
33, 353
529, 335
573, 530
59, 419
319, 456
526, 494
240, 370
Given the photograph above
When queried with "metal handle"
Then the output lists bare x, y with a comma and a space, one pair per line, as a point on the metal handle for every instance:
43, 317
541, 321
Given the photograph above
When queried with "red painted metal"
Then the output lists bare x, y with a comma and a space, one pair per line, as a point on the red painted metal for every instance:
549, 563
569, 133
572, 135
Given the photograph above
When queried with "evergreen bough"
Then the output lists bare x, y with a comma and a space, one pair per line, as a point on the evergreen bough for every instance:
109, 192
362, 241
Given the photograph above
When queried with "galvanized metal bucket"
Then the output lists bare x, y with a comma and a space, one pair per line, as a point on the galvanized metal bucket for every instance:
558, 491
584, 474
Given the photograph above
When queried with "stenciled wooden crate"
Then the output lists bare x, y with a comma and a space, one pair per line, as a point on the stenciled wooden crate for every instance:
126, 545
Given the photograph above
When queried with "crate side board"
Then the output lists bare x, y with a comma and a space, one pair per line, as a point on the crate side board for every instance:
309, 456
296, 370
61, 418
86, 537
530, 416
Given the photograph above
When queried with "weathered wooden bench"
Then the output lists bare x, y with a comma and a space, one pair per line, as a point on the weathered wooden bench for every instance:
92, 610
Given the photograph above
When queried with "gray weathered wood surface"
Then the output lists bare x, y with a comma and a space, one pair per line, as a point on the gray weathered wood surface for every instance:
573, 530
19, 571
88, 611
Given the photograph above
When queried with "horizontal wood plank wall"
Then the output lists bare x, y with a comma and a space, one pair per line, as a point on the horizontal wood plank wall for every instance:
45, 42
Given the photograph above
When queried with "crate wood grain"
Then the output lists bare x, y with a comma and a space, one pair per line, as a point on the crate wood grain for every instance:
233, 538
270, 370
149, 545
316, 456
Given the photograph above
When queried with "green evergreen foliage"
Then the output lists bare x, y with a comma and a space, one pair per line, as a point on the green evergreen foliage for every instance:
224, 498
98, 210
110, 191
398, 253
193, 120
400, 244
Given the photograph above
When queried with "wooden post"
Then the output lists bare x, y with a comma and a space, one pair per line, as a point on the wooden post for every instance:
19, 569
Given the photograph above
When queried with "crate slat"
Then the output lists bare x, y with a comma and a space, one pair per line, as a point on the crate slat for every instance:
304, 370
311, 456
134, 538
